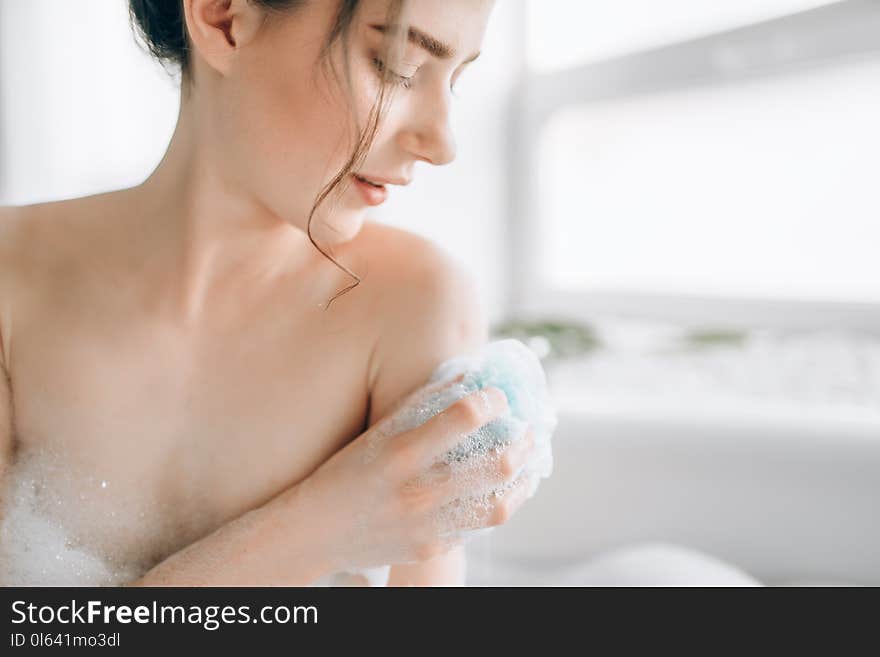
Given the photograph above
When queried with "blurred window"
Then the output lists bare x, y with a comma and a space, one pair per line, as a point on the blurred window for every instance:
738, 165
563, 33
764, 188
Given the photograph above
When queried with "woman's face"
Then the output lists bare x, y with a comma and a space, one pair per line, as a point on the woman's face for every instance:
289, 125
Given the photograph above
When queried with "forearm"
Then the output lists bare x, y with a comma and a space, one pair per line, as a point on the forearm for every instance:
447, 569
273, 545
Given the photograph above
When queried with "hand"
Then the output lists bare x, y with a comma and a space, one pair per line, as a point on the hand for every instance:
394, 495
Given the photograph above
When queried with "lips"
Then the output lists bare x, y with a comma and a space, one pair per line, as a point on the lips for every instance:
381, 181
368, 181
371, 193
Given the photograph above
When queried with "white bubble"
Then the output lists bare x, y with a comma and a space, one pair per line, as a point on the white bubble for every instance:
59, 528
515, 369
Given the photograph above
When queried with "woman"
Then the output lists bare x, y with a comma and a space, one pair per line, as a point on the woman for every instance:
191, 366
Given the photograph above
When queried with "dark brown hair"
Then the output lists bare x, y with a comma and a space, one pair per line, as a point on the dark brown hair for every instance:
162, 28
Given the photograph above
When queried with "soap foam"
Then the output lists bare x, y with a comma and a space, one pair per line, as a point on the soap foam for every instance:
38, 537
62, 525
513, 368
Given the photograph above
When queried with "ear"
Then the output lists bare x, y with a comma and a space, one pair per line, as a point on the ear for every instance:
218, 28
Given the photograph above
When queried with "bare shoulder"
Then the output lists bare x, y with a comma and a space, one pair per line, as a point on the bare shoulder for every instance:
406, 268
14, 242
21, 252
32, 235
8, 239
419, 285
10, 236
429, 308
38, 239
41, 243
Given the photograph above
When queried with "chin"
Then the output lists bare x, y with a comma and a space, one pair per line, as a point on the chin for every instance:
341, 228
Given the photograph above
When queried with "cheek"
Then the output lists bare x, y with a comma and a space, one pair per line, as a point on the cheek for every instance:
294, 129
312, 126
292, 124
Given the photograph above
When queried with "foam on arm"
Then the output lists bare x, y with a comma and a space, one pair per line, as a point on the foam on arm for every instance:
437, 314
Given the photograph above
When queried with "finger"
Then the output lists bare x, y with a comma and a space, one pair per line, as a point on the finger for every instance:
487, 510
510, 500
449, 427
416, 397
424, 392
431, 388
511, 460
482, 473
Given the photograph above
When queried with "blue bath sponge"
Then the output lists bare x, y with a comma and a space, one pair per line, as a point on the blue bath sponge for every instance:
515, 369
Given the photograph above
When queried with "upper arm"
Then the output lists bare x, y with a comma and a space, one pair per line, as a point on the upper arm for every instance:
5, 414
5, 384
5, 419
435, 312
5, 427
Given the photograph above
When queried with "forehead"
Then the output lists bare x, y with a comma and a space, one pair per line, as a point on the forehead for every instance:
461, 24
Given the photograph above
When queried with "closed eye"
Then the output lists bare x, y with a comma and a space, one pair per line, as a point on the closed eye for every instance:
402, 80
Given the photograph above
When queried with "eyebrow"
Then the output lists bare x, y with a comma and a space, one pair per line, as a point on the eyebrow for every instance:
425, 41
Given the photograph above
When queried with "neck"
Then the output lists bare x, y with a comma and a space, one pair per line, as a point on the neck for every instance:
204, 232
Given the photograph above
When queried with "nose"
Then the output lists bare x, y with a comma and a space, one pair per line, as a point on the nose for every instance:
428, 135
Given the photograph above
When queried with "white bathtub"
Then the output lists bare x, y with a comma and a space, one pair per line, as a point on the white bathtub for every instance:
789, 496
